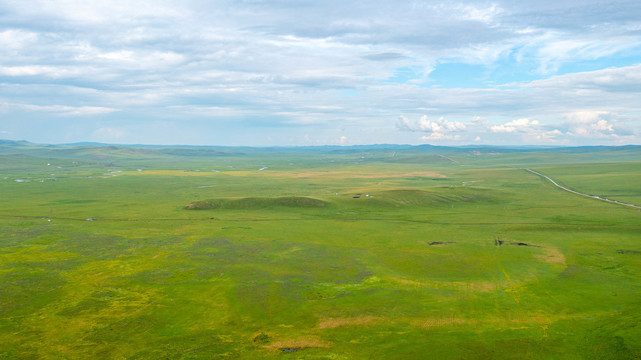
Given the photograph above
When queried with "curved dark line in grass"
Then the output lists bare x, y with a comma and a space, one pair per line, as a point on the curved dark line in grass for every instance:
580, 193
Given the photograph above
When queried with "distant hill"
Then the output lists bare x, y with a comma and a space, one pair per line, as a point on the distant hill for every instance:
421, 154
87, 144
15, 143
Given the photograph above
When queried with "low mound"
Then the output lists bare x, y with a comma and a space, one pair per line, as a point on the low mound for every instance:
257, 203
432, 196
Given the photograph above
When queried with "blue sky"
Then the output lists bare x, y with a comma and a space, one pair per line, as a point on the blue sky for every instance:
294, 72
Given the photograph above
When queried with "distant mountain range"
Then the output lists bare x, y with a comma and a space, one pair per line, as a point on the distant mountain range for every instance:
485, 148
19, 152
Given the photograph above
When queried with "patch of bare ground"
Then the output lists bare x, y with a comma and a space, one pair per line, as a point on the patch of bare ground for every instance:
331, 323
552, 255
299, 343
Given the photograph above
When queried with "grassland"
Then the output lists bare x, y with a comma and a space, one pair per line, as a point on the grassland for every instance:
318, 253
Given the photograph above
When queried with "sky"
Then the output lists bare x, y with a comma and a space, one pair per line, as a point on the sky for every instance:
295, 72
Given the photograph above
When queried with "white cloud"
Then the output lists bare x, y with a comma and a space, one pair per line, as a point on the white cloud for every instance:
484, 14
438, 130
295, 65
16, 39
35, 70
108, 134
520, 125
594, 124
549, 136
617, 79
426, 125
555, 50
436, 136
63, 110
80, 12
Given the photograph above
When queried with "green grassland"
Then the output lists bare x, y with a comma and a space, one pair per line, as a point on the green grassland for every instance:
113, 252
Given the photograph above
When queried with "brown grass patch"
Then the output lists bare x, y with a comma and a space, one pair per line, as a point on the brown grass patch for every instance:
332, 323
552, 255
482, 286
409, 282
359, 175
399, 175
313, 174
440, 322
311, 341
171, 173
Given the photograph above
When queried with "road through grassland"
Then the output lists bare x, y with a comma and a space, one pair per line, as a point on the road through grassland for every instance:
580, 193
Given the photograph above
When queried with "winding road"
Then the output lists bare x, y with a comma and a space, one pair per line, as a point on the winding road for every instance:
580, 193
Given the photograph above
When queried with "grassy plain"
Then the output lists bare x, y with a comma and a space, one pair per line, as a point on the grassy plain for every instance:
327, 253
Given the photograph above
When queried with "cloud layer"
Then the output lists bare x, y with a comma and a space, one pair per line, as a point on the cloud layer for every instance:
292, 72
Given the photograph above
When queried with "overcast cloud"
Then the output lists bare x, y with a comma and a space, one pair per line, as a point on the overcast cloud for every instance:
293, 72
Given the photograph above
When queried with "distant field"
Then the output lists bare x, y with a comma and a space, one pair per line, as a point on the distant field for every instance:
400, 253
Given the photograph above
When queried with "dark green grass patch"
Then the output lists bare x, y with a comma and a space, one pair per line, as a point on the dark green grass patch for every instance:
435, 196
257, 203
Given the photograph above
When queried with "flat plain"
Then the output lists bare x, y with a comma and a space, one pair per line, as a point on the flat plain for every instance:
385, 252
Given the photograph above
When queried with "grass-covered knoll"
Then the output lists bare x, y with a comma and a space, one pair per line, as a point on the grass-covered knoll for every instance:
257, 203
434, 196
396, 198
354, 253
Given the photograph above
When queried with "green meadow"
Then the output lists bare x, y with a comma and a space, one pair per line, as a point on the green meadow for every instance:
381, 252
